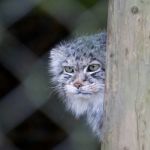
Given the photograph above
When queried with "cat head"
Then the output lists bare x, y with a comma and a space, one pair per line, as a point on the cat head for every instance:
78, 67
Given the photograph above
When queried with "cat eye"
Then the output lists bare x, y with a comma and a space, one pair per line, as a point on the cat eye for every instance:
69, 69
93, 67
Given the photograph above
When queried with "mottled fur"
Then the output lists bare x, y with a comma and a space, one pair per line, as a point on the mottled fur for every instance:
79, 53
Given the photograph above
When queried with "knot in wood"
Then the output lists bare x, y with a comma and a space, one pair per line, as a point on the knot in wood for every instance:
134, 10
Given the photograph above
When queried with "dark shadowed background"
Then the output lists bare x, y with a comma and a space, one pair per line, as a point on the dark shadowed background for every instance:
31, 115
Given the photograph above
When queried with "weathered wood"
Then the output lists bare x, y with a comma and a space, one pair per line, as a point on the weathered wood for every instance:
127, 102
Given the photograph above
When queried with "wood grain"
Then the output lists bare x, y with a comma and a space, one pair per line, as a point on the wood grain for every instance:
127, 98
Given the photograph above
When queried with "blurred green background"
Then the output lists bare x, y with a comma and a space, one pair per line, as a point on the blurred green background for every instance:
31, 115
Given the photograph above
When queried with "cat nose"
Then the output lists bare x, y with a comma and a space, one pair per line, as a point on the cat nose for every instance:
78, 84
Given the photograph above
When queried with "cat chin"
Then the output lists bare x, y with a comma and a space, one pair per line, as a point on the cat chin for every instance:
83, 97
80, 104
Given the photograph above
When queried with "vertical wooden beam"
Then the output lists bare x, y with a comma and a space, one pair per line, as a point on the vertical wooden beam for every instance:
127, 101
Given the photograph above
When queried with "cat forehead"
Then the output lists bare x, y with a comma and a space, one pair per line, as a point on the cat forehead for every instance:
83, 49
91, 46
84, 55
79, 64
80, 47
72, 61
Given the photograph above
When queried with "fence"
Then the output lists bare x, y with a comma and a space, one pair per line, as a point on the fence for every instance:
31, 117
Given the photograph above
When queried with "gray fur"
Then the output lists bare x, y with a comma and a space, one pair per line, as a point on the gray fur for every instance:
79, 53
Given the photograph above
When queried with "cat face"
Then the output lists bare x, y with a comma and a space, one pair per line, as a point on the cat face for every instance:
78, 67
81, 78
78, 72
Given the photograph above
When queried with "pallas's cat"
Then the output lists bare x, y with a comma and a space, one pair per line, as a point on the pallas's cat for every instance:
78, 70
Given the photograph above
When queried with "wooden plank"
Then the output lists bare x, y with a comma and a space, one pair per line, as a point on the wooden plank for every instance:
127, 100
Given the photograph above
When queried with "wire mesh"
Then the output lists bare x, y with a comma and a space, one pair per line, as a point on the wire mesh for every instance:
31, 115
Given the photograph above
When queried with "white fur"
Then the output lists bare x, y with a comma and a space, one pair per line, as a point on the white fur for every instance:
79, 53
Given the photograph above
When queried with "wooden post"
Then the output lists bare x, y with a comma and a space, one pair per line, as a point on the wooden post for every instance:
127, 100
